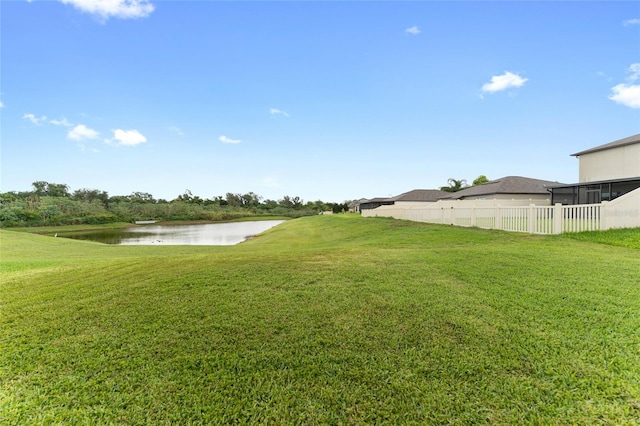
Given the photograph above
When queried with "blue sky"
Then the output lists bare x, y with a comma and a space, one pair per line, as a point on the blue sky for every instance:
323, 100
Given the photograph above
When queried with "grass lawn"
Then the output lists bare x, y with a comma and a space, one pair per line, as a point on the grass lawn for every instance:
323, 320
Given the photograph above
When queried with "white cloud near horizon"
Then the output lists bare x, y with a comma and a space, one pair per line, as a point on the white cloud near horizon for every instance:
225, 139
628, 94
82, 132
128, 137
35, 120
1, 104
276, 111
105, 9
504, 82
629, 22
64, 122
413, 30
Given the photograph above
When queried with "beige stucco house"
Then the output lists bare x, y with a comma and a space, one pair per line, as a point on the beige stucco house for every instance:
408, 199
606, 172
616, 160
512, 188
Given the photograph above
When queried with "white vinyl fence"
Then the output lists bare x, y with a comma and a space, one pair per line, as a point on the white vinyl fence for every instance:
534, 219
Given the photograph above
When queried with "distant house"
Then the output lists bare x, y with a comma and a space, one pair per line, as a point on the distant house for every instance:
605, 173
419, 196
413, 197
374, 203
531, 191
354, 206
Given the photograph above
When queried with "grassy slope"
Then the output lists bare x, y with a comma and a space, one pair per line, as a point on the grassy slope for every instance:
330, 319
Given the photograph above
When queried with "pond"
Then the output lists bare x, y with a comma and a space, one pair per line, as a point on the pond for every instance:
210, 234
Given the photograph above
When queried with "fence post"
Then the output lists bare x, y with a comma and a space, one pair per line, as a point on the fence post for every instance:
473, 215
604, 225
498, 224
557, 218
532, 218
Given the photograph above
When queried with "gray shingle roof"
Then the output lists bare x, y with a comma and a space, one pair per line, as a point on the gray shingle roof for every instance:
615, 144
421, 195
505, 185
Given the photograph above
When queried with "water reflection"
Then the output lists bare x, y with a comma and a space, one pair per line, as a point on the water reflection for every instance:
217, 234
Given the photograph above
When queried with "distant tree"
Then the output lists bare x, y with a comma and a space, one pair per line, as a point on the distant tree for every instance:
269, 204
40, 187
43, 188
58, 190
85, 194
48, 211
186, 197
141, 197
8, 197
118, 199
291, 202
454, 185
340, 207
480, 180
220, 200
251, 200
234, 200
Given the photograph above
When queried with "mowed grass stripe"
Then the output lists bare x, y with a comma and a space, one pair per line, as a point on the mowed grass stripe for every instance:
322, 320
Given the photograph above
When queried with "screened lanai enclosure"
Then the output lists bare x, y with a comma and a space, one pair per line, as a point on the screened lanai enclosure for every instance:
592, 192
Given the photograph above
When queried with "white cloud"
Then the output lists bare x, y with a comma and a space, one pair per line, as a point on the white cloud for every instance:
128, 137
276, 111
413, 30
634, 72
82, 132
1, 104
35, 120
177, 130
628, 94
225, 139
62, 122
629, 22
503, 82
105, 9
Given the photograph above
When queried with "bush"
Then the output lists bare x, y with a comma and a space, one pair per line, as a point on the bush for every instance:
99, 219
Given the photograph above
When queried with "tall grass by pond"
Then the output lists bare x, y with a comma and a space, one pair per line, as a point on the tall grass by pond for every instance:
323, 320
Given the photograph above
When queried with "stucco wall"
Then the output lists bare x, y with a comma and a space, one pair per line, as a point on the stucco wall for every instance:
406, 210
623, 212
616, 163
513, 215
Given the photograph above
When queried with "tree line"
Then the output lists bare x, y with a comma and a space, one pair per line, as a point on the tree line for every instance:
55, 204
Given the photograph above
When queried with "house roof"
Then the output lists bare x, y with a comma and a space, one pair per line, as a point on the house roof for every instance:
355, 203
415, 195
505, 185
377, 200
421, 195
615, 144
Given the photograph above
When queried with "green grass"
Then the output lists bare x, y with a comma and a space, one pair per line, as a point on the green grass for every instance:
322, 320
627, 237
